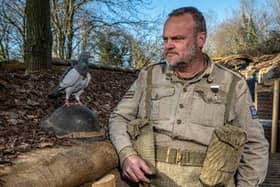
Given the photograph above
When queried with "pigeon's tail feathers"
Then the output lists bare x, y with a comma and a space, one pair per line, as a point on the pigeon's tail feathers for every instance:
56, 93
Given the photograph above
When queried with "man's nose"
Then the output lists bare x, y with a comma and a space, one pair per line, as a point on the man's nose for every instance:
168, 44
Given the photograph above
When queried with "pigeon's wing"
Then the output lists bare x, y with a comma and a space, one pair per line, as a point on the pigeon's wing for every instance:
66, 71
87, 80
79, 89
70, 79
80, 85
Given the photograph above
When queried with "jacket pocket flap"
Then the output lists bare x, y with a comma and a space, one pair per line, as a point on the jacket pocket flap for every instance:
161, 92
232, 135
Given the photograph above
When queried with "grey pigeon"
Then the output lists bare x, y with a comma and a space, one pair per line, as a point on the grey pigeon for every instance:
75, 80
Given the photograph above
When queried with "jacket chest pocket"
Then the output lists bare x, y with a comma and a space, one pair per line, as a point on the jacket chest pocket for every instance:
208, 108
161, 102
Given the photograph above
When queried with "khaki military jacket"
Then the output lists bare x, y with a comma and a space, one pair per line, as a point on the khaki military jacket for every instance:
189, 110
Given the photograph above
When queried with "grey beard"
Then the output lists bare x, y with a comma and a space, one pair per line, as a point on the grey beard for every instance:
178, 65
183, 64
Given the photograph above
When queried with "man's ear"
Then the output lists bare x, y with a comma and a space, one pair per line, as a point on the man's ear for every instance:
201, 39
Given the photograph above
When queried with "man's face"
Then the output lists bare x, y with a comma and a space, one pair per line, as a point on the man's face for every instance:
181, 43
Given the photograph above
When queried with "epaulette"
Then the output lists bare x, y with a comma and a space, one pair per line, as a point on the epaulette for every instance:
235, 73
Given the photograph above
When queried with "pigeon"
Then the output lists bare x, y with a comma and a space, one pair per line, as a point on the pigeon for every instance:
74, 80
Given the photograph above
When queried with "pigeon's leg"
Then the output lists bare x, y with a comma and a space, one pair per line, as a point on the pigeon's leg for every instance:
79, 102
67, 102
77, 97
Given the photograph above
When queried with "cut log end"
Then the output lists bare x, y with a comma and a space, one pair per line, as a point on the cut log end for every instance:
106, 181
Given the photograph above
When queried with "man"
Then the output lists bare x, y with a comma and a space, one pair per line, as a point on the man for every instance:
187, 101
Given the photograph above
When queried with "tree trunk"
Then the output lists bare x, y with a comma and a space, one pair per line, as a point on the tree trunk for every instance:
69, 46
61, 44
69, 29
38, 35
63, 20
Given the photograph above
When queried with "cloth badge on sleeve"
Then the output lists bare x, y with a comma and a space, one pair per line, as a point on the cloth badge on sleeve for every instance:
253, 112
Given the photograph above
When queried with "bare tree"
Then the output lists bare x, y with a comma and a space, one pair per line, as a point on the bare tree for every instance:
4, 40
228, 39
63, 12
76, 25
274, 6
13, 17
244, 31
69, 17
144, 51
212, 23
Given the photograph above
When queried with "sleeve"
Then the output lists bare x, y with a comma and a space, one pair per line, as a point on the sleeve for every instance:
126, 111
254, 159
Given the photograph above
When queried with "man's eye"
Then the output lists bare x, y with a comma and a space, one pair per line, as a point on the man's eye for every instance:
178, 38
173, 39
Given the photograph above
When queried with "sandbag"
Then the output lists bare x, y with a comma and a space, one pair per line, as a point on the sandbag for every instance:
61, 167
223, 155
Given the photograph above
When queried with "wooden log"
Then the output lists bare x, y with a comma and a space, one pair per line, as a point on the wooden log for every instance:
61, 167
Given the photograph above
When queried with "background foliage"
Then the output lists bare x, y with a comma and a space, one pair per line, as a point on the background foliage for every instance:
119, 33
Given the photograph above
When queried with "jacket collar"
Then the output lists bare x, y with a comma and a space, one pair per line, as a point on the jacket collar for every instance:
206, 73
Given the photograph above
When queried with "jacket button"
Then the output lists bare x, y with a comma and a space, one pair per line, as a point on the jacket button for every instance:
184, 89
210, 79
181, 105
179, 121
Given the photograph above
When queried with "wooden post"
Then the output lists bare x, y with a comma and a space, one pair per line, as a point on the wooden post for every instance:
256, 96
274, 127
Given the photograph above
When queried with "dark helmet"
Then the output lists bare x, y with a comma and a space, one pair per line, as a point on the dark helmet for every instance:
67, 120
